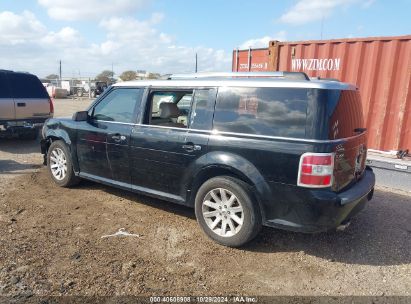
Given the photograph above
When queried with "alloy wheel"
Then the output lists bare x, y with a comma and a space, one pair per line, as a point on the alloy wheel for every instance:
223, 212
58, 164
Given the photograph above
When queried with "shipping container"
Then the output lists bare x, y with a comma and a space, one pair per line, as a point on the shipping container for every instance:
255, 60
380, 67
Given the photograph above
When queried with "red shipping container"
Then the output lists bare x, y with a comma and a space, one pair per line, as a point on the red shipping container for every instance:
380, 67
255, 60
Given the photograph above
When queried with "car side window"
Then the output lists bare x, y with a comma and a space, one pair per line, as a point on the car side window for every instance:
262, 111
169, 108
202, 109
119, 105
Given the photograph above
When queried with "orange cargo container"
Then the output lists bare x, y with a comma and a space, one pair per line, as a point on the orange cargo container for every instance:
256, 59
380, 67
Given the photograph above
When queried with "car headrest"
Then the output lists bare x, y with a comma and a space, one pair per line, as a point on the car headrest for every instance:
169, 110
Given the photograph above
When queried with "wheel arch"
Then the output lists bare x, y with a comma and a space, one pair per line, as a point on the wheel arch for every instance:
233, 166
53, 135
58, 134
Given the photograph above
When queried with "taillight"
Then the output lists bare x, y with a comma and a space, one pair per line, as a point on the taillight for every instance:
316, 170
51, 106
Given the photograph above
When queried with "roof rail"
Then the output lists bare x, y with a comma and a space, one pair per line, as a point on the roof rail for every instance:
285, 75
325, 79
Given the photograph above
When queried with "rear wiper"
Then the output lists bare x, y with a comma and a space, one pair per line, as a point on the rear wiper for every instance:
360, 130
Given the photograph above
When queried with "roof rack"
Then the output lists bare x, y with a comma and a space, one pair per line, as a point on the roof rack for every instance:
285, 75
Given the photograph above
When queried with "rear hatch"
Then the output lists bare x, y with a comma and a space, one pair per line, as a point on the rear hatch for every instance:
345, 121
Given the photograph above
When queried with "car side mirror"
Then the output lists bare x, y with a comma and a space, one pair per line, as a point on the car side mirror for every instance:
80, 116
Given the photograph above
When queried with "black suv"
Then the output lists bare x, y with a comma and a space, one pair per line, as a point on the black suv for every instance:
244, 150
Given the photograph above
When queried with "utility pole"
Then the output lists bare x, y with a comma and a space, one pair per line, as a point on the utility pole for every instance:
60, 73
196, 63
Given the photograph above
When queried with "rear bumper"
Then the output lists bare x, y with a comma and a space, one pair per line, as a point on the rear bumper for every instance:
16, 126
321, 210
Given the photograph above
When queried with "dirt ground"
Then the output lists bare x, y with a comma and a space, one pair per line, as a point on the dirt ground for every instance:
52, 242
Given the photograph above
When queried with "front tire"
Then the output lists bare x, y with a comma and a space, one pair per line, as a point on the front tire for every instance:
60, 166
226, 211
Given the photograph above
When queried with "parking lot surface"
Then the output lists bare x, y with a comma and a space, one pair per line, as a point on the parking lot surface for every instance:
58, 241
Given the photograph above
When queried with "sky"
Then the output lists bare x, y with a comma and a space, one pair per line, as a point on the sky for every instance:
163, 36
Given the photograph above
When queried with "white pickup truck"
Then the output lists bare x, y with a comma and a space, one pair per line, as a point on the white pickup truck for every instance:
24, 104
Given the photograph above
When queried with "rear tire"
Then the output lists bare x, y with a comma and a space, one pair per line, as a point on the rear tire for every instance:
60, 165
226, 211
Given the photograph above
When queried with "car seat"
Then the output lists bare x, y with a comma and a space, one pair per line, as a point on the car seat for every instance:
169, 113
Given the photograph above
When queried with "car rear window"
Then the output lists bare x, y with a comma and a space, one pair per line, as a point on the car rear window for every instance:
345, 115
262, 111
26, 86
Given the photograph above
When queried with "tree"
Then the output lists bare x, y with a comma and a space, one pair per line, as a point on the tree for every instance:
105, 76
128, 75
52, 76
153, 76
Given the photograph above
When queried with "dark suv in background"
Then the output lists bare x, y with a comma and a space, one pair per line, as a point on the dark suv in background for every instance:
24, 104
244, 150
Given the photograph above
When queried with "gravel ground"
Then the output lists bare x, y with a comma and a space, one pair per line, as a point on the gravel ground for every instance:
66, 107
51, 243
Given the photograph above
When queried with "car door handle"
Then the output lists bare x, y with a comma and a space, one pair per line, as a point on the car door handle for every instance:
21, 104
118, 137
190, 147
